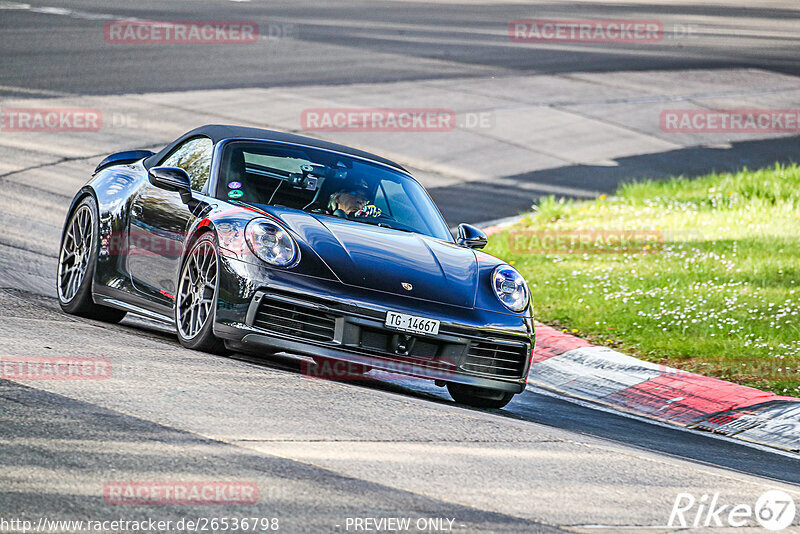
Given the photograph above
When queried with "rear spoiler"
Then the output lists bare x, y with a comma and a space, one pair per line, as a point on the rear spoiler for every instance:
121, 158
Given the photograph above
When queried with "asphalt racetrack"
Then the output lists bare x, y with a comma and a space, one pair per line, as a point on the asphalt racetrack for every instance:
321, 453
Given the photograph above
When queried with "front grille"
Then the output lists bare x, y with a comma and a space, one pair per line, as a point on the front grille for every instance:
315, 320
293, 319
496, 359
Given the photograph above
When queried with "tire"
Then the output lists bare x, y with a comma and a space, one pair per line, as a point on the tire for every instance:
77, 260
196, 298
479, 397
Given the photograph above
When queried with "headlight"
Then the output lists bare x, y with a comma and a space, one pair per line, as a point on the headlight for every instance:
270, 242
510, 288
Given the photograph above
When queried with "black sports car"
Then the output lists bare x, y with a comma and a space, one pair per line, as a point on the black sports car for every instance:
253, 240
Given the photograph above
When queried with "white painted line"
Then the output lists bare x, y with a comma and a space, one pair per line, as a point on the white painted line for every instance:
62, 12
24, 90
547, 188
505, 221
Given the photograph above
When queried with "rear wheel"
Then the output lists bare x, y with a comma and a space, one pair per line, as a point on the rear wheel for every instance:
77, 261
196, 301
479, 397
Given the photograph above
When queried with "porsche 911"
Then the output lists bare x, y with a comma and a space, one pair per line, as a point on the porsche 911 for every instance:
258, 241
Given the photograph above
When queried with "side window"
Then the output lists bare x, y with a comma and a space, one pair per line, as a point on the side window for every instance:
380, 200
193, 156
397, 204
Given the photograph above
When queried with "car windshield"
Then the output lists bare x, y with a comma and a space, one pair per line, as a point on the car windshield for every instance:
329, 184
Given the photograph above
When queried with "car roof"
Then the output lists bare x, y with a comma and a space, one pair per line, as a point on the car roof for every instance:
221, 132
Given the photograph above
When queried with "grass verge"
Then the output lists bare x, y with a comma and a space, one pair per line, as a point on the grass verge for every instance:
699, 274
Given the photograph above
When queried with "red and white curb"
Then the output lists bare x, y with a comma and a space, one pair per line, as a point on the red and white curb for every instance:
571, 366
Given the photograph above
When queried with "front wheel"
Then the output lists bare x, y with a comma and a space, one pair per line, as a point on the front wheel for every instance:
77, 261
196, 301
479, 397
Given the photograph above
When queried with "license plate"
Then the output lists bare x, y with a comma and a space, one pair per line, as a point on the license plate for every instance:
412, 323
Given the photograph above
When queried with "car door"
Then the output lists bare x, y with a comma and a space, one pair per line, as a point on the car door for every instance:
159, 221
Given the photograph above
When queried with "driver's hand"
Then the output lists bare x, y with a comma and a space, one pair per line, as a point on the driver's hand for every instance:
370, 210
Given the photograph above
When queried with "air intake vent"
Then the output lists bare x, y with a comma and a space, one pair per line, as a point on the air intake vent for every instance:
297, 320
496, 359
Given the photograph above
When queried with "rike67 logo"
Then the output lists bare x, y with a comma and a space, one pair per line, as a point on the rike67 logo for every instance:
774, 510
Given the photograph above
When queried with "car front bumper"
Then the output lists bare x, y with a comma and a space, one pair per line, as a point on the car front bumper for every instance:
276, 310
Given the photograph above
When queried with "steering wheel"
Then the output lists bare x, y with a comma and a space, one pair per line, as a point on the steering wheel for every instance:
370, 210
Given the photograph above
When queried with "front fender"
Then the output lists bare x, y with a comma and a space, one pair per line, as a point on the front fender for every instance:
486, 298
229, 222
82, 192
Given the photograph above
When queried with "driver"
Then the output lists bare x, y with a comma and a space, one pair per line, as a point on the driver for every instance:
347, 203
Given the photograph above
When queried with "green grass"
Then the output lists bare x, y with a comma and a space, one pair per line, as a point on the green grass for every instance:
718, 291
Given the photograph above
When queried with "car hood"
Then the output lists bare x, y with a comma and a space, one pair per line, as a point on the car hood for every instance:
383, 259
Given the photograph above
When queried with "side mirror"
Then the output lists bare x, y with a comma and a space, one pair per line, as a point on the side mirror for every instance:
172, 179
470, 237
